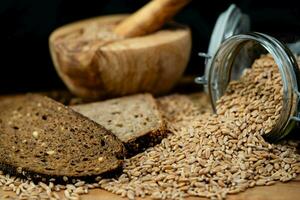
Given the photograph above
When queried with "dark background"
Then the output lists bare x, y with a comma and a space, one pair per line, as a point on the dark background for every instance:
26, 25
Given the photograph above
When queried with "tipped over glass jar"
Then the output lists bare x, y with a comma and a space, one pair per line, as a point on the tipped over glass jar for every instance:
236, 53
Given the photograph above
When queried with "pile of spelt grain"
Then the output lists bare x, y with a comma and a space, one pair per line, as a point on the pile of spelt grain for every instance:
207, 155
26, 189
214, 155
176, 107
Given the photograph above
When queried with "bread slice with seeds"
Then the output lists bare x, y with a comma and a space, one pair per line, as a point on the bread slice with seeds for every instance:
135, 120
41, 137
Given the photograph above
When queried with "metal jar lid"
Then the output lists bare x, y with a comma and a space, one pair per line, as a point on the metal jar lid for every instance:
229, 23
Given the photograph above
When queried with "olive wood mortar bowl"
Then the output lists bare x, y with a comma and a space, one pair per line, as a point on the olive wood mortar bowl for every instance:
94, 63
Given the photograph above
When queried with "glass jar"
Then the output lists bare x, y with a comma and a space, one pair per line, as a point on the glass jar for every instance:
239, 52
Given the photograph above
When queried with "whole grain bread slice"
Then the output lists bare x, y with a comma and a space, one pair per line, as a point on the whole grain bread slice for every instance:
43, 138
135, 120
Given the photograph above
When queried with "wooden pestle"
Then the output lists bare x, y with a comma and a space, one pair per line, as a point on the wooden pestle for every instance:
149, 18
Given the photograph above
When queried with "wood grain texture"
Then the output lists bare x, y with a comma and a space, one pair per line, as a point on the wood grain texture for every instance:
94, 63
279, 191
149, 18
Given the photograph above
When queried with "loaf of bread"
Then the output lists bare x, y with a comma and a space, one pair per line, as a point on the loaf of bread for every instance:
135, 120
42, 138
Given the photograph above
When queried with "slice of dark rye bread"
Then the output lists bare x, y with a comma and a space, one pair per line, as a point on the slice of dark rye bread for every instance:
135, 120
41, 138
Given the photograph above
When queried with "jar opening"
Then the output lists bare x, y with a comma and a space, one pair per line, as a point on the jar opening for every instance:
245, 55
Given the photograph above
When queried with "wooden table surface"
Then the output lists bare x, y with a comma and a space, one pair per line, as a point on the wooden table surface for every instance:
279, 191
